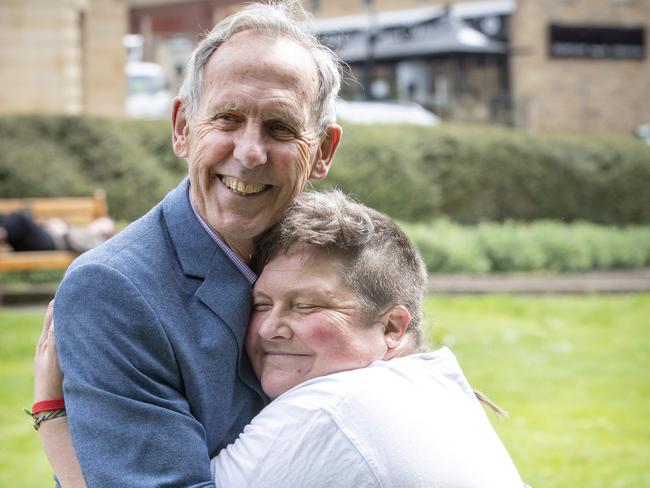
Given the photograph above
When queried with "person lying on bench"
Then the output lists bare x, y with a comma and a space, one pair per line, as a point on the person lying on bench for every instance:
19, 232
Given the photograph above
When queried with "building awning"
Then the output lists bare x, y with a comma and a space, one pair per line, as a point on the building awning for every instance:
414, 16
446, 36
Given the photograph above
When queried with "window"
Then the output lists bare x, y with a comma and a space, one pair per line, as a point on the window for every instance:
597, 42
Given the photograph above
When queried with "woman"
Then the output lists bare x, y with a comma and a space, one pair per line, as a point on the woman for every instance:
336, 339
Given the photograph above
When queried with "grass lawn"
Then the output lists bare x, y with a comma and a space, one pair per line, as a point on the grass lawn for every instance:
21, 461
574, 374
573, 371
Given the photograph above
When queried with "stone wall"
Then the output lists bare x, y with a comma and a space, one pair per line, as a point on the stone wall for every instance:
62, 56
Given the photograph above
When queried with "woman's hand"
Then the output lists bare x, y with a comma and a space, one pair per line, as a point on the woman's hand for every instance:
48, 385
48, 378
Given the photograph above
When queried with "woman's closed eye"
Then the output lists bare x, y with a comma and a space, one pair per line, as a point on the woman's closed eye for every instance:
261, 306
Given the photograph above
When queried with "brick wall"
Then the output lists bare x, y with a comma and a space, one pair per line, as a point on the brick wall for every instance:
578, 95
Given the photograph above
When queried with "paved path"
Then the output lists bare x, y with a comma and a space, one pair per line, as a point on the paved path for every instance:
623, 281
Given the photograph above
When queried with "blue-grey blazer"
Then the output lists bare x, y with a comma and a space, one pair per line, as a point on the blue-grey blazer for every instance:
150, 329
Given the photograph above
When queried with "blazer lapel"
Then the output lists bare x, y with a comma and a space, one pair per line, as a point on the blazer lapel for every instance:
194, 247
227, 293
225, 290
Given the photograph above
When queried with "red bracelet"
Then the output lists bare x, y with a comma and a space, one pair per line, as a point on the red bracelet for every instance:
48, 405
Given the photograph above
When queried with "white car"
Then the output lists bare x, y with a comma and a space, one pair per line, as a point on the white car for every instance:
384, 112
643, 133
147, 93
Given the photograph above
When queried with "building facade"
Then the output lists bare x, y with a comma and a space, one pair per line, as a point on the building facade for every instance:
577, 66
171, 28
62, 56
452, 59
542, 65
581, 65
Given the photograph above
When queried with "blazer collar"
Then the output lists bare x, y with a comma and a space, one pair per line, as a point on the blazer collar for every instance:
194, 247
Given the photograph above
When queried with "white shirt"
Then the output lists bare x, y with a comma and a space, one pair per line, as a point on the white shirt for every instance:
408, 422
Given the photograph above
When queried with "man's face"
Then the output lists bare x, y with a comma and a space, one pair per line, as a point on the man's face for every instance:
252, 143
306, 323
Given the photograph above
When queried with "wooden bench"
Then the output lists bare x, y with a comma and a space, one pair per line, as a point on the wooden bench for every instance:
72, 210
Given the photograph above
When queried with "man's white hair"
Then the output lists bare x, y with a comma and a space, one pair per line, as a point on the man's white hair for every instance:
287, 19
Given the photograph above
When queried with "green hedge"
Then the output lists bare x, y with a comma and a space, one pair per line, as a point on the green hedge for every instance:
473, 174
539, 246
52, 156
468, 174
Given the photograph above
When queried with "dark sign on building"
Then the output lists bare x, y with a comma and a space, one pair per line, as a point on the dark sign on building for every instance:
596, 42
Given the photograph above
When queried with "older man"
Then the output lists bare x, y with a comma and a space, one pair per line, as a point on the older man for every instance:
151, 325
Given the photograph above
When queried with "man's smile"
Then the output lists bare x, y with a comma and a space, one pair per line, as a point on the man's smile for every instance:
241, 188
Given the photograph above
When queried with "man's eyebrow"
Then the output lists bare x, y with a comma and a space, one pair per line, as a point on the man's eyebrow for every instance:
286, 114
222, 107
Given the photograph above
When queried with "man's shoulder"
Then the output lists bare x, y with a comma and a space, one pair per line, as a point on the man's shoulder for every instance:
142, 241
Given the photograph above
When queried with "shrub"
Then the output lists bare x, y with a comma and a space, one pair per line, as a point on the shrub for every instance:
60, 155
449, 248
509, 246
468, 174
382, 167
472, 174
40, 168
538, 246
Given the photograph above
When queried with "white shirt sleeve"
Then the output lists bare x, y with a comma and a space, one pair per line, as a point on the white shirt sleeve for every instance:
292, 446
409, 422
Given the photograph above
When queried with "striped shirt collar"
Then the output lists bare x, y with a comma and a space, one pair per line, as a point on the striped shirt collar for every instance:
232, 255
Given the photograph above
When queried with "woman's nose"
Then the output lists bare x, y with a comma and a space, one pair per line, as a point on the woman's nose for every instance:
275, 326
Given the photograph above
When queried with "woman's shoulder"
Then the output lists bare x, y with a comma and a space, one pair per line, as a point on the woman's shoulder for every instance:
412, 418
412, 375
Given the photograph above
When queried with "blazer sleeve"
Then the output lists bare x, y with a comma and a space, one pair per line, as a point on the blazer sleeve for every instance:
130, 422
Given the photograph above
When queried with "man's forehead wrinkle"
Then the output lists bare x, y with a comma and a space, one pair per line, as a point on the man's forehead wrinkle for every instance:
248, 64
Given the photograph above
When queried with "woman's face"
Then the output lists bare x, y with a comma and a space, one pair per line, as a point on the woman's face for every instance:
306, 323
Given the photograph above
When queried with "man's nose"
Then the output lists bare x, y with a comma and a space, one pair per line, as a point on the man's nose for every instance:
250, 147
275, 326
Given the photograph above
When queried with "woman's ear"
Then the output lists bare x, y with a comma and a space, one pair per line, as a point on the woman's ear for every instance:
395, 321
325, 152
180, 129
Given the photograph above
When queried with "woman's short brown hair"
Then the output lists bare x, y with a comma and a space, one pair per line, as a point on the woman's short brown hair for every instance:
377, 261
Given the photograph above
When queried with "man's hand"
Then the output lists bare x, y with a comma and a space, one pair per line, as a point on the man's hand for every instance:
48, 378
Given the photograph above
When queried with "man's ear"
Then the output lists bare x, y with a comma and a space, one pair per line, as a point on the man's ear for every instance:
395, 322
325, 152
180, 129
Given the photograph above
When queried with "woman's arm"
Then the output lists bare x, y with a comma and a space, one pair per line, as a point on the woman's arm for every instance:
57, 444
54, 433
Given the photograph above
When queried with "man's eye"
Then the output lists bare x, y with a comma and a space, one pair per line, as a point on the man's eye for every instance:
227, 118
261, 307
280, 129
306, 306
